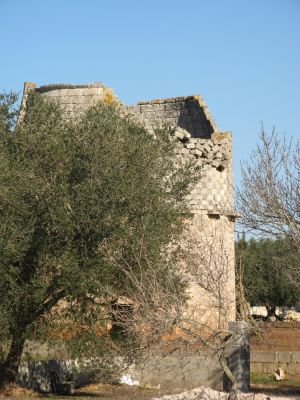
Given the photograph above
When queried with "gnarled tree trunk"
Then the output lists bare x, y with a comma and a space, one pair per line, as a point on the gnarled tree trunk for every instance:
233, 382
9, 369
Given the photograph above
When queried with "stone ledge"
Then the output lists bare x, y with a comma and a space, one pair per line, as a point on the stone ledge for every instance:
54, 86
263, 357
169, 100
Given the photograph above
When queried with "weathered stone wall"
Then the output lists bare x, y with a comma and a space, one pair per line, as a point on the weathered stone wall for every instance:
73, 99
214, 191
267, 362
187, 112
211, 200
173, 372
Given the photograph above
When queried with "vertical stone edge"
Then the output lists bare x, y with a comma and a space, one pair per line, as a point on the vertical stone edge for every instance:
238, 353
28, 86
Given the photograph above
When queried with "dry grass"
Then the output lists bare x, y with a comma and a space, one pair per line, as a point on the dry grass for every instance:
120, 392
90, 392
277, 338
16, 391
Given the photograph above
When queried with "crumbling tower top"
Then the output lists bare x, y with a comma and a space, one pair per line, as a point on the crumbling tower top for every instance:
73, 99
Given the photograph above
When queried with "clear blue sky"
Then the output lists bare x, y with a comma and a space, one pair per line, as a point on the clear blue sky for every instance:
242, 56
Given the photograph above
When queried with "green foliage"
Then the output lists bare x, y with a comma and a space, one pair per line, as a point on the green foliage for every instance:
256, 377
8, 110
264, 279
267, 379
80, 203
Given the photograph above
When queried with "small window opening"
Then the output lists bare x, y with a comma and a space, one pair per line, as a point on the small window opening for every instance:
214, 216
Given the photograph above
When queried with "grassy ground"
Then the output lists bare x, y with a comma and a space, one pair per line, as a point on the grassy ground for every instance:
264, 379
264, 383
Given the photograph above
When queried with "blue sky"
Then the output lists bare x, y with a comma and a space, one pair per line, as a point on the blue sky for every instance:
242, 56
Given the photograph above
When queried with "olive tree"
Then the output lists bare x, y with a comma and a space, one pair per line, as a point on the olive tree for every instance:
80, 203
263, 277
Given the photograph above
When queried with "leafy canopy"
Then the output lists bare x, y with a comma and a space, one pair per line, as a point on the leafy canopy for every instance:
264, 264
80, 203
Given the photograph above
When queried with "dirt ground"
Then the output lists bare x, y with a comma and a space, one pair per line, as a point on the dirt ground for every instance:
278, 337
123, 392
91, 392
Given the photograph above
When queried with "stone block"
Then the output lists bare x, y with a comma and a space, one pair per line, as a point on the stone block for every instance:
293, 368
269, 368
89, 100
215, 164
295, 357
52, 93
61, 92
190, 146
256, 367
78, 99
196, 152
64, 99
99, 91
89, 91
185, 151
268, 357
218, 155
193, 141
215, 148
283, 356
159, 107
255, 356
171, 106
75, 92
146, 108
171, 114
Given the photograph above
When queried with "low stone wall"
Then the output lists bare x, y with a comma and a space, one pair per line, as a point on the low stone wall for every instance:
183, 369
182, 372
279, 324
268, 362
176, 372
37, 375
172, 372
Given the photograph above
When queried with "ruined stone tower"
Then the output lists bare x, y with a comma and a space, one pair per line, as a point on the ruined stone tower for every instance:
210, 234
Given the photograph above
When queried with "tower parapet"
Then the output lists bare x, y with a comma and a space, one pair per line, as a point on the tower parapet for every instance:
74, 99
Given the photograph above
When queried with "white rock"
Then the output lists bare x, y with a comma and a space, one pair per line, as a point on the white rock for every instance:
292, 315
203, 393
279, 375
128, 380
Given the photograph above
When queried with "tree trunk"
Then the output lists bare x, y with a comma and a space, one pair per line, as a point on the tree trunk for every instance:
9, 369
233, 383
271, 312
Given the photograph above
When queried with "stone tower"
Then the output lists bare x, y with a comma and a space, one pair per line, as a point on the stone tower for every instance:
211, 232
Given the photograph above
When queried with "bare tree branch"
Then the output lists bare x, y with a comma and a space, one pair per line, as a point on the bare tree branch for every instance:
269, 196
